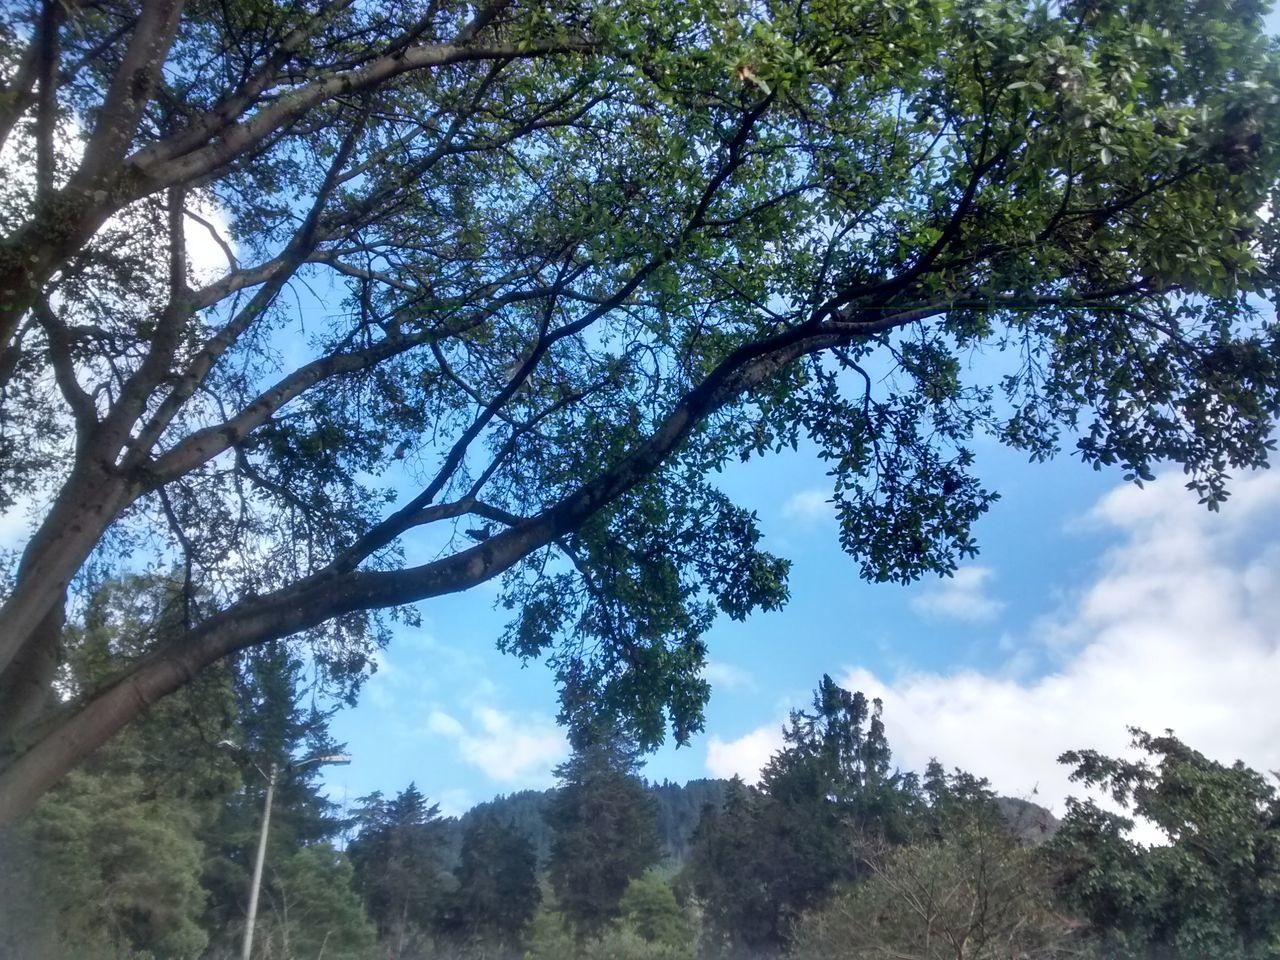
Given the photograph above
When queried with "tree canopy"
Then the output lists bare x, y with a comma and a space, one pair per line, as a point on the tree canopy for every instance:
604, 833
512, 280
1210, 890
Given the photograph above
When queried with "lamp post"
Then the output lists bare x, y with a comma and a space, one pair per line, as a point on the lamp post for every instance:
247, 952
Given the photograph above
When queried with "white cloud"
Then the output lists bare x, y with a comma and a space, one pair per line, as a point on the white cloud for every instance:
445, 725
746, 756
454, 803
962, 596
207, 258
727, 676
1176, 630
518, 751
808, 506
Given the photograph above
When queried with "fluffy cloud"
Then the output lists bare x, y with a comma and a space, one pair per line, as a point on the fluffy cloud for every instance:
516, 751
1176, 630
808, 506
746, 756
962, 596
726, 676
454, 803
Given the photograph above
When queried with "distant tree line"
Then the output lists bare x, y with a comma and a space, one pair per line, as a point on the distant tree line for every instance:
836, 854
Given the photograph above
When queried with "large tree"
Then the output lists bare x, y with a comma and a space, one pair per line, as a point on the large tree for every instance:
770, 854
975, 895
397, 854
532, 271
605, 833
497, 890
1213, 890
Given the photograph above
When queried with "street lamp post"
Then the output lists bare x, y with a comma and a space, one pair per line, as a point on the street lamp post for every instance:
247, 952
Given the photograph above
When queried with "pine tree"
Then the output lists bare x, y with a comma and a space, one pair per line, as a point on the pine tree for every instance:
274, 724
605, 832
724, 872
397, 858
497, 890
110, 863
770, 856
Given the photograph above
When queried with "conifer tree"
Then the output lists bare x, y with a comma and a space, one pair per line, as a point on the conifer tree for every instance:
497, 889
398, 867
605, 832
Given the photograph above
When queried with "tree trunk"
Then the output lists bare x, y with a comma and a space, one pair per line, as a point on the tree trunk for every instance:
26, 688
35, 251
89, 503
24, 780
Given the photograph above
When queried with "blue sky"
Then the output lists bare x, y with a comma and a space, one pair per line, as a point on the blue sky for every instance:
1093, 605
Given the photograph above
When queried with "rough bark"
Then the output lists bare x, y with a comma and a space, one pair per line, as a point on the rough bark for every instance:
26, 689
89, 503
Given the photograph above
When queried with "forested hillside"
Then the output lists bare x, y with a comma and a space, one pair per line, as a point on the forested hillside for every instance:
678, 808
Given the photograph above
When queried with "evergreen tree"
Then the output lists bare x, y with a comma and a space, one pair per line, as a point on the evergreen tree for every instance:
103, 868
148, 848
525, 811
110, 863
396, 854
274, 724
775, 854
679, 809
957, 801
313, 910
836, 760
604, 832
497, 890
724, 874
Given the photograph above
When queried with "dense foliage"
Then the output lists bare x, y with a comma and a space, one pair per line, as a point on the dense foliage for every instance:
147, 851
497, 887
397, 859
511, 280
1212, 890
604, 833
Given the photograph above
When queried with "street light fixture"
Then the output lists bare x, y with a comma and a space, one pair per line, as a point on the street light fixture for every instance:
246, 952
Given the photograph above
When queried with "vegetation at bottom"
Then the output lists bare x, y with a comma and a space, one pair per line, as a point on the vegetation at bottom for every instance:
835, 853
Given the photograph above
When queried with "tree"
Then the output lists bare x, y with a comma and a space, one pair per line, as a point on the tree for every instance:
550, 937
649, 909
396, 856
497, 889
605, 833
569, 258
976, 895
1211, 891
104, 868
313, 909
276, 722
723, 872
837, 759
111, 863
146, 849
772, 855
